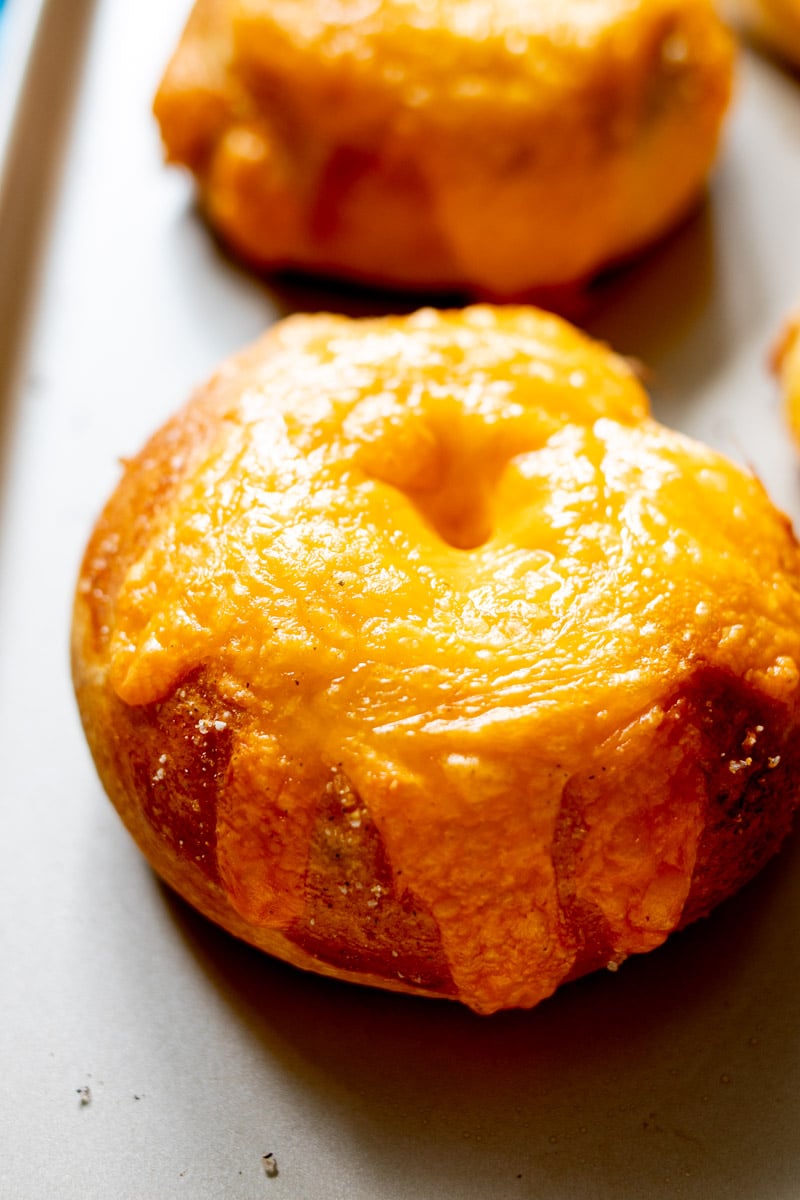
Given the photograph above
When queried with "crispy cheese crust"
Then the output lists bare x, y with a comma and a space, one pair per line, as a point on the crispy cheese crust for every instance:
510, 150
415, 652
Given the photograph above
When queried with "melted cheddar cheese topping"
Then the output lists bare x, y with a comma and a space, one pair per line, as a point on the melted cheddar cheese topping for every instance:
446, 558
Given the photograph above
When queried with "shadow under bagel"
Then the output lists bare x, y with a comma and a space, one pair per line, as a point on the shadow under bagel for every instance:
627, 296
645, 1078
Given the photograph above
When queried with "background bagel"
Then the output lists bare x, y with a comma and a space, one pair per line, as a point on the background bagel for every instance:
786, 361
503, 149
415, 652
775, 22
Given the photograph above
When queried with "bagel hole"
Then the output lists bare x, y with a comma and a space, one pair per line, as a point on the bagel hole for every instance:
464, 523
447, 463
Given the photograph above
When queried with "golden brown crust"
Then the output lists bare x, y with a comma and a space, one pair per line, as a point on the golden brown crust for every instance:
166, 766
653, 823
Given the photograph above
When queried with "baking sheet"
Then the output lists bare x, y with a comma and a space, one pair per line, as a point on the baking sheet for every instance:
678, 1076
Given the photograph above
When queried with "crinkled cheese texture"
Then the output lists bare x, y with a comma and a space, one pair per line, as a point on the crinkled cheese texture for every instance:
443, 577
493, 145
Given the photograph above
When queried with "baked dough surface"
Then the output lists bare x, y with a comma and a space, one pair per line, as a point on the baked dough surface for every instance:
501, 147
414, 651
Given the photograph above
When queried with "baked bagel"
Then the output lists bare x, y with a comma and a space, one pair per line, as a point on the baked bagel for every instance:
415, 652
504, 149
787, 368
776, 23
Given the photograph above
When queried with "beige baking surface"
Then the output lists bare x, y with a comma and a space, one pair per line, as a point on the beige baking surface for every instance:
678, 1076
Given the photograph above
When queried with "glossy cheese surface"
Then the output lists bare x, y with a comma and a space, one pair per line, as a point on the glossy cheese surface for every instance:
443, 566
